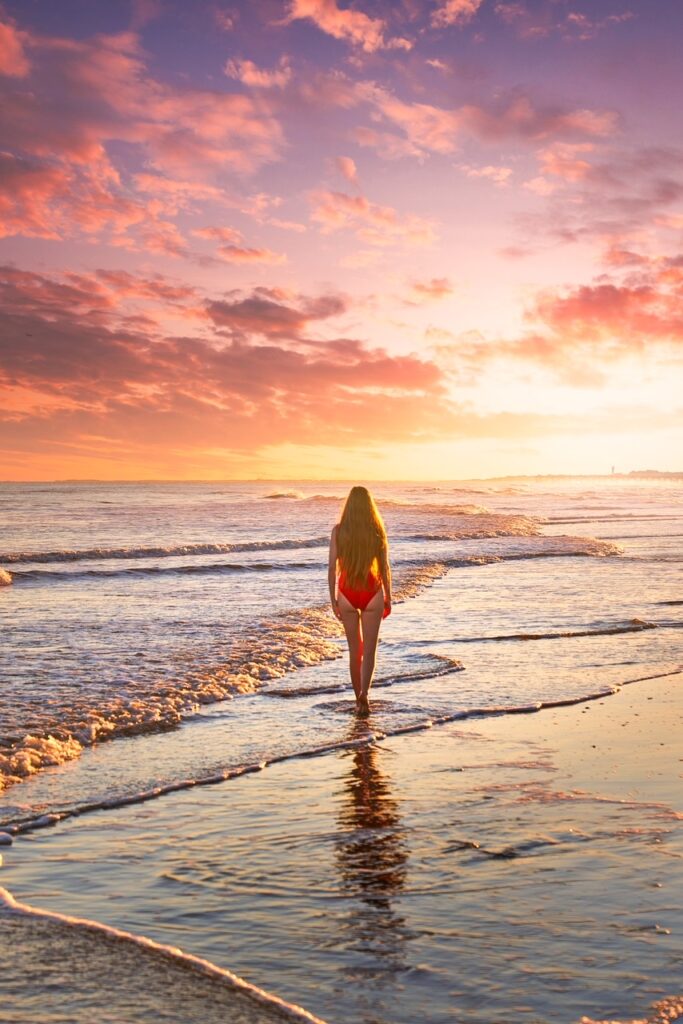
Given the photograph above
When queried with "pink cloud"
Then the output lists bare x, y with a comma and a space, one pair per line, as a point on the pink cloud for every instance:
353, 26
562, 159
578, 333
373, 224
454, 12
240, 254
427, 128
13, 59
498, 175
93, 91
347, 168
571, 25
249, 74
234, 252
221, 234
517, 116
101, 379
428, 291
83, 95
617, 198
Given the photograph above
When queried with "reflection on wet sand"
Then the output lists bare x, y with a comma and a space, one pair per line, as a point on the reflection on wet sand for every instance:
372, 857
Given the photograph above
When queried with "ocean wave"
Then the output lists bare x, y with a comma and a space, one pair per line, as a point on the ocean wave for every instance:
608, 629
267, 1007
274, 648
426, 507
171, 551
444, 666
549, 547
22, 826
212, 568
285, 494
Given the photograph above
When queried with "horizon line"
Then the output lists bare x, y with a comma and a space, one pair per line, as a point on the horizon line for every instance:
630, 474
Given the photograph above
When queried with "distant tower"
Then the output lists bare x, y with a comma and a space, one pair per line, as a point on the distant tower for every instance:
612, 470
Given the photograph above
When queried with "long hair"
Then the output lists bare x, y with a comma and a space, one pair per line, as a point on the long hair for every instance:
361, 537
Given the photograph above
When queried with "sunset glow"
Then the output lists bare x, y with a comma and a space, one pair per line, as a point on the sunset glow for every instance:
305, 239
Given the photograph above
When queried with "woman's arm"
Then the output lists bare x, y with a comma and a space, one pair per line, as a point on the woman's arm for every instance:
332, 573
385, 573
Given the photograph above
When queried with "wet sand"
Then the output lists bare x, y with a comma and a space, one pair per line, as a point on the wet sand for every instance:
524, 868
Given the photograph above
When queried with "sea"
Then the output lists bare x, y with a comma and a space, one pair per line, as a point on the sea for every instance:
159, 637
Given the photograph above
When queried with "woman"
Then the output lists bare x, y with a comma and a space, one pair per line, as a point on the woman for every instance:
361, 596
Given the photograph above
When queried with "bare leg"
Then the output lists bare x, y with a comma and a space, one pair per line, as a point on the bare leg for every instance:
371, 619
351, 622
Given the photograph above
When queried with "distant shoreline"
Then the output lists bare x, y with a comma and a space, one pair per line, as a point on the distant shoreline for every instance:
634, 474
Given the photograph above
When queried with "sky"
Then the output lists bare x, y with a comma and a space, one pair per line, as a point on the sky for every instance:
307, 239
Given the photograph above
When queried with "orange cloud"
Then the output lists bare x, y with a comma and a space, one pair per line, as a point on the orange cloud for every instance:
101, 378
428, 291
240, 254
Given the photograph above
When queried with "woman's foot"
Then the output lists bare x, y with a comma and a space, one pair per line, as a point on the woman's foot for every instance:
363, 706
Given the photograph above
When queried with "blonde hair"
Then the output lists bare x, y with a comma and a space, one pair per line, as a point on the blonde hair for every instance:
361, 537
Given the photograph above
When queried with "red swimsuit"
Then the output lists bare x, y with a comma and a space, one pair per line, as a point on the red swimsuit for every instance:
360, 598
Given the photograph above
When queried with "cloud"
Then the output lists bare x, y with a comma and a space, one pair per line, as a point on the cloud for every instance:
347, 168
262, 378
371, 223
428, 291
273, 313
49, 200
614, 199
233, 251
578, 333
570, 25
426, 128
88, 93
498, 175
454, 12
13, 59
240, 254
221, 234
225, 18
259, 78
61, 171
144, 12
353, 26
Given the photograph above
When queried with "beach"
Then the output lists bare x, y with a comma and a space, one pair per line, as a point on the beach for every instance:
525, 868
500, 841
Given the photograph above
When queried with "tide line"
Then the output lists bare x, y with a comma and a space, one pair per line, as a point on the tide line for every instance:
232, 981
46, 820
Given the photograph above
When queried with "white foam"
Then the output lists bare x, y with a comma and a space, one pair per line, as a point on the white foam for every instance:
224, 977
485, 711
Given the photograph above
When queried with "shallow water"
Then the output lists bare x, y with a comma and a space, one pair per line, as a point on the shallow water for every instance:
133, 607
188, 624
428, 877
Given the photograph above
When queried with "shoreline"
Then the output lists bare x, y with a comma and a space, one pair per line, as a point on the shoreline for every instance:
478, 714
585, 791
